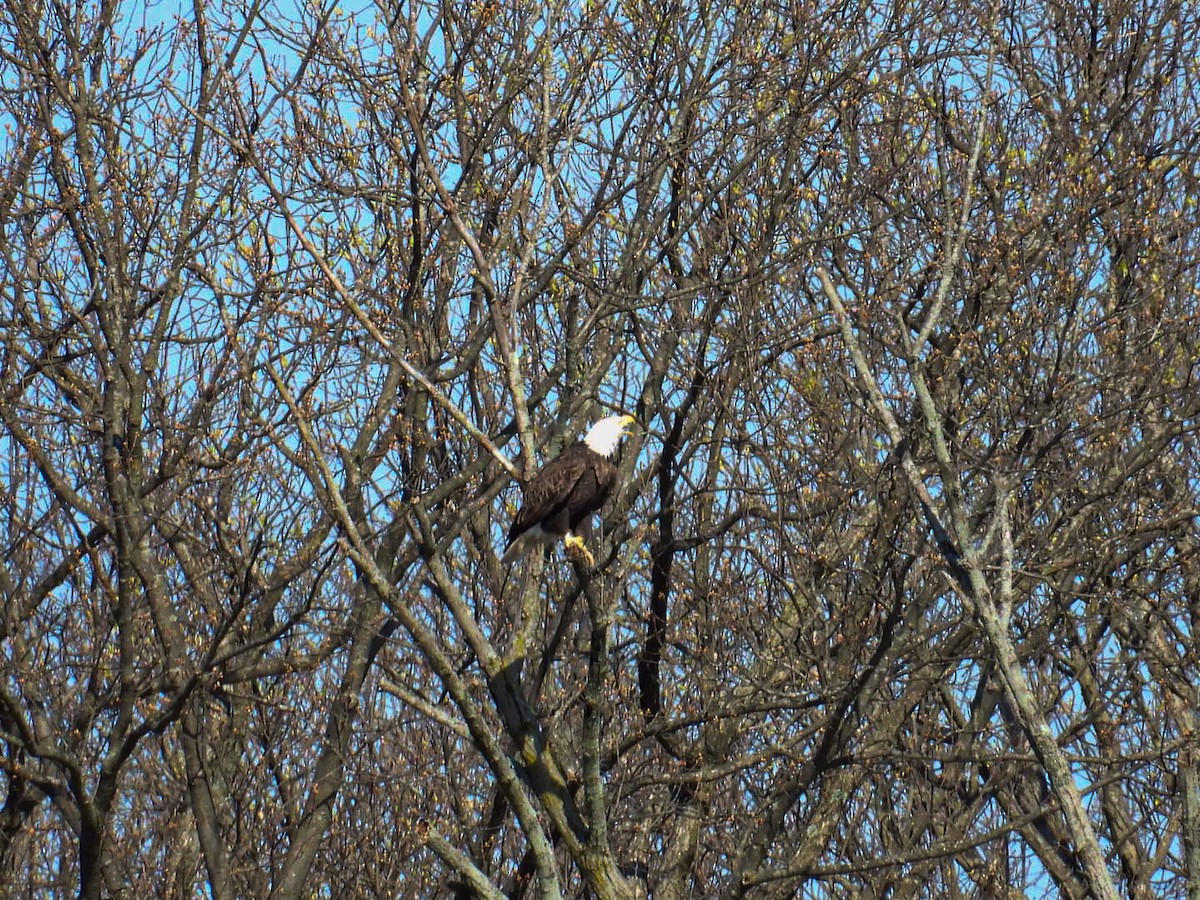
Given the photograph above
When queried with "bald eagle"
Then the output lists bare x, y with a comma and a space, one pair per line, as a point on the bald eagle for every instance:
560, 499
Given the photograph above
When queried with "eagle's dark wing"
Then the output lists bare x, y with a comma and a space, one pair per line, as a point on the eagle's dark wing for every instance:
590, 490
547, 493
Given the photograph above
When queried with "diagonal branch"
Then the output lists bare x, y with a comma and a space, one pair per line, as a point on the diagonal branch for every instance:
245, 148
969, 581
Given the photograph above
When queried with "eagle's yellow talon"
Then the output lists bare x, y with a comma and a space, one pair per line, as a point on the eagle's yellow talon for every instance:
577, 550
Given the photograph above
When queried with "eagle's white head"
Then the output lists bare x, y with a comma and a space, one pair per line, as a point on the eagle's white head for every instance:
604, 436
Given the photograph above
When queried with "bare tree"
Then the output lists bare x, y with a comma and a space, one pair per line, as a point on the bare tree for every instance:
898, 595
